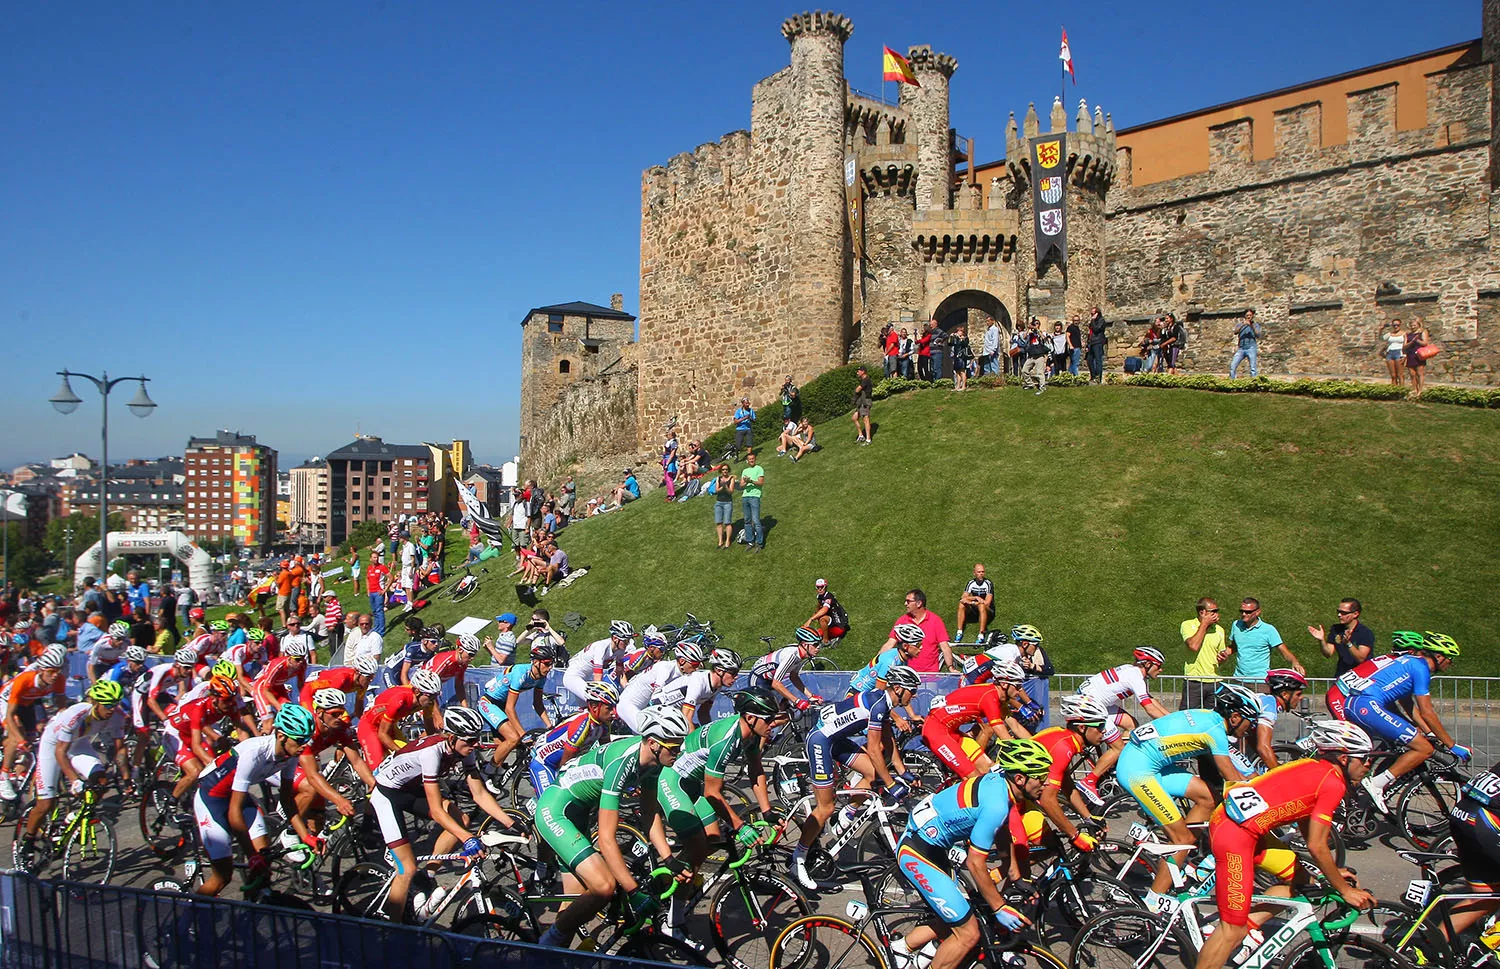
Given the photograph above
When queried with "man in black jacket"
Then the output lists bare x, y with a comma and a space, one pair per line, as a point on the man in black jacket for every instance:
1096, 342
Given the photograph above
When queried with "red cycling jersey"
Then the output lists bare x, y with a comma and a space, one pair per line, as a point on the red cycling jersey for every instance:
969, 704
448, 664
1062, 744
272, 682
390, 707
200, 712
339, 678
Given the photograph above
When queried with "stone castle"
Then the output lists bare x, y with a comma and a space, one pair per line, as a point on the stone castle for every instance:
1329, 207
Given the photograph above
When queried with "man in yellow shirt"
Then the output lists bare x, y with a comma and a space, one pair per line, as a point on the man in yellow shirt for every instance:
1204, 638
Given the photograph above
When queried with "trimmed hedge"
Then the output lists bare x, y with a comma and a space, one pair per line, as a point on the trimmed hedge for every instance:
1329, 389
823, 398
1462, 396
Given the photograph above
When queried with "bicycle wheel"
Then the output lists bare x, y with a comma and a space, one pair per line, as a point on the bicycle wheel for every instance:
1391, 920
655, 947
1034, 954
90, 853
1352, 952
1084, 896
166, 827
824, 942
460, 594
745, 914
1422, 811
1129, 938
362, 890
496, 913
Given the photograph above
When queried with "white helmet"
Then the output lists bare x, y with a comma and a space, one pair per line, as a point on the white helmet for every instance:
135, 654
1082, 708
468, 643
1342, 737
1007, 671
620, 629
689, 651
295, 648
186, 656
909, 633
463, 723
119, 629
366, 665
664, 723
903, 677
328, 698
426, 681
651, 636
52, 658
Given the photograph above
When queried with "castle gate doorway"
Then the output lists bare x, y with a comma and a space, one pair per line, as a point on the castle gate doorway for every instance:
972, 309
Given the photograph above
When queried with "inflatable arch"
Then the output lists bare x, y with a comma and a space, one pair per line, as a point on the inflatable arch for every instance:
198, 562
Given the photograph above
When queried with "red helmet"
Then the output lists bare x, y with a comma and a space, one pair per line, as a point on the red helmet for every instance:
195, 613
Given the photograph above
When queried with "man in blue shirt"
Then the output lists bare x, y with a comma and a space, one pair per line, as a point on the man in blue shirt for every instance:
1251, 639
1247, 334
744, 418
138, 590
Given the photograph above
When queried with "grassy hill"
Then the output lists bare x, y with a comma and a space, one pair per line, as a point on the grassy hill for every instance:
1102, 513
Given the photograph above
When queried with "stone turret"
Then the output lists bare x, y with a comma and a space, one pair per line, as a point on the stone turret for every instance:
819, 241
927, 104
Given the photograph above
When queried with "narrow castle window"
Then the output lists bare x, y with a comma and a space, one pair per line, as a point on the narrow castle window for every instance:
564, 366
554, 322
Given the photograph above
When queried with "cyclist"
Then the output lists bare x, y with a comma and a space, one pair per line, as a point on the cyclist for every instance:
591, 788
980, 811
695, 692
1304, 790
211, 644
330, 707
1371, 693
988, 704
1151, 770
1474, 822
653, 650
378, 731
160, 688
249, 657
855, 732
105, 652
69, 751
636, 697
497, 701
354, 679
272, 687
407, 783
781, 669
1403, 641
1110, 688
599, 659
574, 735
453, 664
20, 702
1285, 688
224, 809
130, 668
1087, 725
908, 639
423, 645
830, 619
188, 731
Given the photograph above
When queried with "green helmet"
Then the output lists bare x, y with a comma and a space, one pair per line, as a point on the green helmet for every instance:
107, 692
225, 669
1405, 641
1023, 757
756, 700
255, 634
1438, 643
295, 721
219, 625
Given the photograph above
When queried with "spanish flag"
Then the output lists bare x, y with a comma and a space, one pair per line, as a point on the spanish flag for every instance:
897, 69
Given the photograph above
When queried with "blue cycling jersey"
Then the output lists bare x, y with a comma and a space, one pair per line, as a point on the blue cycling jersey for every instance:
1403, 676
517, 679
1178, 736
865, 679
974, 810
855, 714
123, 675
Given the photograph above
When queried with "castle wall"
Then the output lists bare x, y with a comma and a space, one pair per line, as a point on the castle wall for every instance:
542, 354
1315, 236
592, 417
893, 283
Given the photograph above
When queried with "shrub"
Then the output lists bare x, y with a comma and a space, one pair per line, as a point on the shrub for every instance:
1462, 396
1327, 389
826, 396
891, 386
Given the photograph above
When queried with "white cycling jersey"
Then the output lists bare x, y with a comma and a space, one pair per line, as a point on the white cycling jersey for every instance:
694, 688
642, 687
77, 728
777, 666
1113, 685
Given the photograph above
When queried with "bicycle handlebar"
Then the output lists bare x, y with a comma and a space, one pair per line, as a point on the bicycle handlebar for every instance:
671, 888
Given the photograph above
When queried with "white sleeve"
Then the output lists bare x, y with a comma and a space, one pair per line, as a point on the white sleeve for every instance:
1136, 680
697, 689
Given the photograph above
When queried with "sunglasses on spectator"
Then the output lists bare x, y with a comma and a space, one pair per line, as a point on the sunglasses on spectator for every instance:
1246, 612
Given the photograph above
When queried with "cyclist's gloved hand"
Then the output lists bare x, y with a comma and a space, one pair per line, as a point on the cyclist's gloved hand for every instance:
897, 791
643, 902
257, 868
1459, 750
471, 847
908, 777
814, 698
1009, 918
802, 705
314, 842
747, 836
77, 786
1084, 841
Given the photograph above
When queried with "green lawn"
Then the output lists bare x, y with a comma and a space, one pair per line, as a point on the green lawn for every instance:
1102, 513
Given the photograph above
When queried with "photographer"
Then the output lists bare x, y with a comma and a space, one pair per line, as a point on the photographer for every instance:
539, 625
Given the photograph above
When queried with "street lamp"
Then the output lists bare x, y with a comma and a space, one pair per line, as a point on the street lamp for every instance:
141, 405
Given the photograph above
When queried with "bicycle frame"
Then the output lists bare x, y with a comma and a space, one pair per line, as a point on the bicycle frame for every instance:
1304, 918
875, 811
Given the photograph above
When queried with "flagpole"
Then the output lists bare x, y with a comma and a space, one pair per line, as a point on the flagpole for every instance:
1062, 78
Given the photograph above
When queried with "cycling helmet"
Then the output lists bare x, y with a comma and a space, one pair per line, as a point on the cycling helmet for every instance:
19, 639
294, 721
725, 660
601, 692
366, 665
218, 625
1405, 641
222, 688
1438, 643
664, 723
328, 698
255, 634
756, 700
463, 723
119, 630
805, 635
294, 648
620, 629
135, 654
195, 613
651, 636
431, 633
1025, 757
903, 677
468, 643
1084, 709
186, 656
543, 650
1024, 633
1341, 736
426, 681
107, 692
1232, 698
977, 668
909, 633
1284, 679
51, 659
689, 651
1149, 654
1007, 671
225, 669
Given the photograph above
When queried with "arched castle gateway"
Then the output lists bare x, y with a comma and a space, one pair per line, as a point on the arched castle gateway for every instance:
1328, 207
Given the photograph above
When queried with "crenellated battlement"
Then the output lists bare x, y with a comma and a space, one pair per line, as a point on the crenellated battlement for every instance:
817, 22
1091, 146
889, 171
712, 166
870, 122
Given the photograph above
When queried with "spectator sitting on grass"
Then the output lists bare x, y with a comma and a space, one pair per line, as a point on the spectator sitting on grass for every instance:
788, 439
556, 568
629, 489
805, 439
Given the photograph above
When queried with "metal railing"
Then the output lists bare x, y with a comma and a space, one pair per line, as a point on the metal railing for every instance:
67, 925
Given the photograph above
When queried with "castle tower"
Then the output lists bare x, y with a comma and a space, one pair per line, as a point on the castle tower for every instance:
1054, 294
893, 283
928, 106
819, 312
561, 345
1490, 47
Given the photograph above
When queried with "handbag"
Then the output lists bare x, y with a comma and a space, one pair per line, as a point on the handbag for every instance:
1428, 351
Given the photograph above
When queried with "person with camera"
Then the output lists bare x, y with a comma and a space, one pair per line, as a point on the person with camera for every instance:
1036, 348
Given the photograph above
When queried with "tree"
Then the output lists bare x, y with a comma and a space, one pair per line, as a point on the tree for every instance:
366, 534
27, 565
85, 533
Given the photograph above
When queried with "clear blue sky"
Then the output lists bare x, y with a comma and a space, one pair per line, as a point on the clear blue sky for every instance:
307, 219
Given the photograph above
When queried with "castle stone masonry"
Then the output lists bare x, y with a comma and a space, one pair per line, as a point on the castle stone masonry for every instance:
784, 249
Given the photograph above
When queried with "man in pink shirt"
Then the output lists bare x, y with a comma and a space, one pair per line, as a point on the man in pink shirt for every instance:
934, 636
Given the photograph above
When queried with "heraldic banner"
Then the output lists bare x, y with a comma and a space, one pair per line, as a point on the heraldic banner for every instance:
1049, 197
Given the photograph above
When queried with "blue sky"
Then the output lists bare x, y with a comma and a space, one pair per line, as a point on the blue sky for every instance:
304, 220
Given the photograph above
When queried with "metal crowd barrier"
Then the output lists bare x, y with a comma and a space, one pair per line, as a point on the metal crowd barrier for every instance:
68, 925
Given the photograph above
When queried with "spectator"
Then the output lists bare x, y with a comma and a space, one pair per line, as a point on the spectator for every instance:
692, 463
805, 439
298, 602
791, 403
1416, 364
1036, 351
962, 353
892, 347
989, 349
186, 599
408, 575
1150, 347
1173, 341
1247, 336
518, 520
629, 489
356, 574
567, 499
829, 619
744, 422
751, 481
1097, 342
788, 439
164, 638
503, 647
1348, 638
1393, 348
701, 459
724, 506
378, 582
864, 397
294, 634
939, 347
1059, 344
556, 568
1251, 639
1204, 638
935, 650
137, 592
669, 464
393, 530
369, 641
1016, 355
1075, 344
977, 602
333, 622
924, 352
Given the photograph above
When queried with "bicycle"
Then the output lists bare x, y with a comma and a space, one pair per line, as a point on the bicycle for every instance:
1428, 945
874, 830
85, 841
465, 587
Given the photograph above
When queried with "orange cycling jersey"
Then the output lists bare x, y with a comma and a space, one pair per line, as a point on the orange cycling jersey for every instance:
392, 705
24, 690
969, 704
1062, 744
1291, 792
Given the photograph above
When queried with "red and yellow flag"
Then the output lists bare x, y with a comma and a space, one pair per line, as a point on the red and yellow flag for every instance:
898, 69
